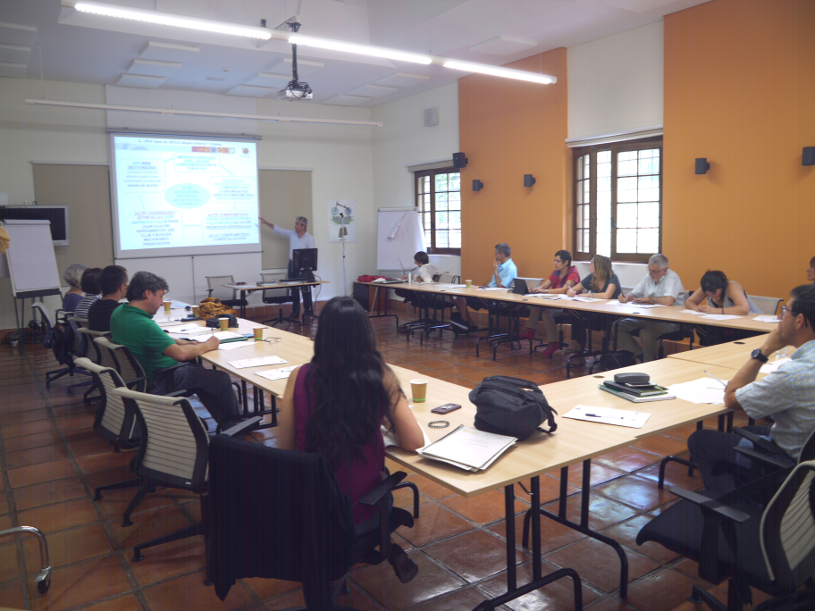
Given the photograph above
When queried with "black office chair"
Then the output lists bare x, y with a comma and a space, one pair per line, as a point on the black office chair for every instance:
173, 452
276, 296
297, 526
736, 538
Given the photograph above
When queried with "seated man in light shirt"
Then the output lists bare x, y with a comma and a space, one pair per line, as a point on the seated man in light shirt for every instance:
787, 395
298, 238
503, 274
661, 286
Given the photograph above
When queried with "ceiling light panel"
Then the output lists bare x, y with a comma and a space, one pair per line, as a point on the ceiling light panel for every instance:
169, 52
638, 6
520, 75
358, 49
17, 34
402, 79
373, 91
12, 70
346, 100
504, 45
153, 67
14, 54
268, 79
249, 91
140, 81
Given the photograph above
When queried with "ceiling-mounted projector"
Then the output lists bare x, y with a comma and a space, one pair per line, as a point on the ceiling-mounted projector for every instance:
295, 91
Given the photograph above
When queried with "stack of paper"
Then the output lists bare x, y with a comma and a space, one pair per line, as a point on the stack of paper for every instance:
468, 448
586, 299
256, 362
276, 374
543, 296
719, 316
221, 335
767, 318
607, 415
703, 390
771, 367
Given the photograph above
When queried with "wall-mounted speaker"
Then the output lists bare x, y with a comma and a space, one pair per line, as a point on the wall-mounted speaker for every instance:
477, 185
808, 158
702, 166
431, 116
459, 161
529, 180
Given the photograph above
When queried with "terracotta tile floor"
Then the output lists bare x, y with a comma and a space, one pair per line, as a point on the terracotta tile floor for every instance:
52, 460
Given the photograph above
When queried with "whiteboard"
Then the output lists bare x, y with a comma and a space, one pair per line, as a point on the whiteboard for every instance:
31, 261
399, 236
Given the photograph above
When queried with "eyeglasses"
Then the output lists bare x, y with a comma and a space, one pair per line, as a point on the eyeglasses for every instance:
272, 340
558, 261
784, 310
655, 273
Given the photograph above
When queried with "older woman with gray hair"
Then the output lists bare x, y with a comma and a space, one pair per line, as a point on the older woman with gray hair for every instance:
73, 278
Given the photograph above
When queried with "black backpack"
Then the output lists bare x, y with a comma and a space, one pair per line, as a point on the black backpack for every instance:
511, 406
60, 339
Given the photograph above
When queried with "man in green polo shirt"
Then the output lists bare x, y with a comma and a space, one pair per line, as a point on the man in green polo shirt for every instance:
132, 325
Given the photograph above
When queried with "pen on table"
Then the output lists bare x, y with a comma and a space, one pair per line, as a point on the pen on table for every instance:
707, 373
597, 416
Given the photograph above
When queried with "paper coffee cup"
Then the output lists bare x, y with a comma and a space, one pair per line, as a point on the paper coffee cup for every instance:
224, 322
469, 283
258, 331
167, 305
419, 389
196, 310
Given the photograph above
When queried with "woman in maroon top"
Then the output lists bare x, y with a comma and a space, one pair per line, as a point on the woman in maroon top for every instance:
335, 405
561, 280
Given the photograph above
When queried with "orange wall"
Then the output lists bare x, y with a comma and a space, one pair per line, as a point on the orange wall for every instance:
740, 90
508, 129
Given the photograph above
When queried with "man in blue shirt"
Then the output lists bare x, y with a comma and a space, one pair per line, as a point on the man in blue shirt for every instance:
504, 273
787, 395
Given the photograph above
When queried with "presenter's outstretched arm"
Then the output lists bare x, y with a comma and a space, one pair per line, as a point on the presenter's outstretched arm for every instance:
265, 222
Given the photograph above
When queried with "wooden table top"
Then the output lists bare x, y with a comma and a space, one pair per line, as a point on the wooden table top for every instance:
277, 285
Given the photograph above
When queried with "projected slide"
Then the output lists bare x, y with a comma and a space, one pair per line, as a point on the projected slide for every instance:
173, 192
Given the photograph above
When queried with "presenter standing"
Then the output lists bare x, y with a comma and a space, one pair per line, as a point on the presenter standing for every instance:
298, 238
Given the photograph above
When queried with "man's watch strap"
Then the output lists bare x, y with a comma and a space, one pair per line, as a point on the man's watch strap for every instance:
759, 355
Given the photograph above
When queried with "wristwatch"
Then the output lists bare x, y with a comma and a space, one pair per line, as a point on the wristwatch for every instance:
758, 355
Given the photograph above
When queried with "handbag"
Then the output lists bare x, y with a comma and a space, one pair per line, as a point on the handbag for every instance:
511, 406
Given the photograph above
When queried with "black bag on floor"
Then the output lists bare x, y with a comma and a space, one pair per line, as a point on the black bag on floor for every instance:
511, 406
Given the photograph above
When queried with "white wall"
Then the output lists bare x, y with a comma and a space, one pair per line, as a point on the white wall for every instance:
616, 83
404, 141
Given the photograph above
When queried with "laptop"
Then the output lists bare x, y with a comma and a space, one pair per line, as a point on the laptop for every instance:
520, 288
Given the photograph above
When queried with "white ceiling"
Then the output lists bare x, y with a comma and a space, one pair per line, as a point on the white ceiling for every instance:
84, 48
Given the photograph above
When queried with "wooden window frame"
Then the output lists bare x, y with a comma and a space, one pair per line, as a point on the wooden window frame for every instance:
615, 148
432, 248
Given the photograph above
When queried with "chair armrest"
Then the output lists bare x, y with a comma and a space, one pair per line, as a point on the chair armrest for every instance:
242, 426
373, 496
765, 458
711, 504
135, 381
181, 392
757, 441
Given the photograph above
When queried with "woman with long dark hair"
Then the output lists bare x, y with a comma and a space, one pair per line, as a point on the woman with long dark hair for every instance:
335, 405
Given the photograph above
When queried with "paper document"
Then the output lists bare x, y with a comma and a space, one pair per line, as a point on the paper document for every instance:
168, 322
703, 390
645, 305
587, 299
389, 437
468, 448
719, 316
452, 286
492, 288
178, 305
544, 296
276, 374
190, 329
773, 366
256, 362
221, 335
607, 415
694, 312
767, 318
236, 345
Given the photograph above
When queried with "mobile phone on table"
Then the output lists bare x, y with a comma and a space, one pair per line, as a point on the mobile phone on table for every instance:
446, 408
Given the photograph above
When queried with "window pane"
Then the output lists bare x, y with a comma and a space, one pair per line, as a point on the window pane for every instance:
604, 185
579, 169
626, 168
603, 169
579, 217
442, 239
454, 198
648, 241
580, 242
455, 239
626, 240
427, 202
441, 201
426, 221
586, 217
648, 215
626, 189
579, 193
455, 182
455, 220
604, 210
426, 184
604, 244
441, 182
627, 215
587, 239
604, 200
427, 242
604, 157
442, 220
419, 203
604, 225
586, 191
648, 189
649, 166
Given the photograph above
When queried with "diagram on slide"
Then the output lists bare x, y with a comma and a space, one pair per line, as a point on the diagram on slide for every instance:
173, 192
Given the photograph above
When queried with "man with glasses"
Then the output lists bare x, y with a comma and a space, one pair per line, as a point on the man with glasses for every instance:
661, 286
787, 395
113, 281
503, 275
132, 325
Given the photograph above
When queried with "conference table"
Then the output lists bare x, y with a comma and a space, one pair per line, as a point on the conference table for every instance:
244, 287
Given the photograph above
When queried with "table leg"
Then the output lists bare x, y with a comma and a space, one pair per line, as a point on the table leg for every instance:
379, 313
538, 581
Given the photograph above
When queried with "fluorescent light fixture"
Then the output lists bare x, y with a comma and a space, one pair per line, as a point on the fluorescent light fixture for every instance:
178, 21
198, 113
520, 75
358, 49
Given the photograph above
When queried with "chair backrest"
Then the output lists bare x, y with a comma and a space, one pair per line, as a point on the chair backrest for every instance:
94, 351
768, 305
445, 278
788, 530
46, 321
114, 421
79, 347
174, 443
216, 288
124, 362
275, 295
